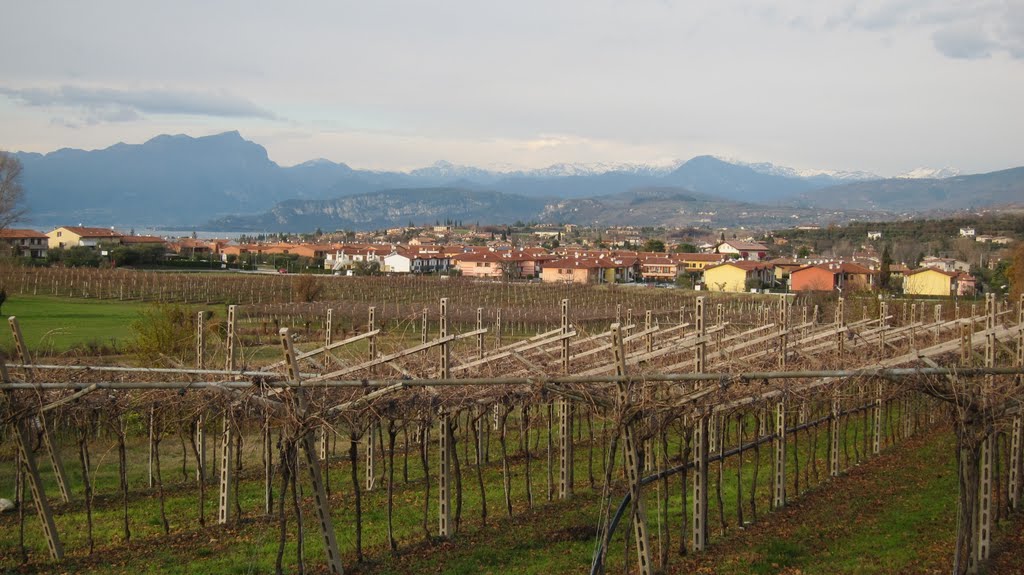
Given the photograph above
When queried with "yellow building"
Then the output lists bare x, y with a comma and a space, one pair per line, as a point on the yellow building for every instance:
734, 276
928, 281
74, 236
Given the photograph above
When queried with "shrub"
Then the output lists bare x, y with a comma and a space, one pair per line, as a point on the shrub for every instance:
164, 331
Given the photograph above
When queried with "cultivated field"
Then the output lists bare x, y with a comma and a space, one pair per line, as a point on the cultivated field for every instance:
394, 425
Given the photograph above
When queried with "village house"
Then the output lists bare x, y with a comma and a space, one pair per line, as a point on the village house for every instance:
75, 236
946, 264
659, 268
738, 276
489, 265
345, 257
695, 264
192, 247
573, 270
24, 243
834, 276
417, 261
966, 284
929, 281
745, 250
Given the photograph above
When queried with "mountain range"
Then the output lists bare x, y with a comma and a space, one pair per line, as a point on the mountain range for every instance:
227, 182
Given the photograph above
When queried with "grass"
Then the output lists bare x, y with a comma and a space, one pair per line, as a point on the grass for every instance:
55, 324
840, 524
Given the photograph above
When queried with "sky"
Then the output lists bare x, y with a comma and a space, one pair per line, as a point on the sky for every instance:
883, 86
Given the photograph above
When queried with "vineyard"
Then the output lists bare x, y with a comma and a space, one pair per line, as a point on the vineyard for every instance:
325, 424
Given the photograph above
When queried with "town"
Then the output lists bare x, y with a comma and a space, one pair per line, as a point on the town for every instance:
770, 262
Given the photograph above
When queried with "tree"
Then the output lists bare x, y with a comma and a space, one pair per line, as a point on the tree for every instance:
884, 269
11, 193
653, 245
1016, 271
3, 297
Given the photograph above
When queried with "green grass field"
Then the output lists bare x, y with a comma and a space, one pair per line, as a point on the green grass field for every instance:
892, 514
55, 324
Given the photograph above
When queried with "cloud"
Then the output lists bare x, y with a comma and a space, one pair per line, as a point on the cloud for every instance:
965, 29
115, 105
963, 42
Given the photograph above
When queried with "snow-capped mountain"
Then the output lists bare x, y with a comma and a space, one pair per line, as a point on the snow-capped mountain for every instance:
774, 170
929, 174
570, 169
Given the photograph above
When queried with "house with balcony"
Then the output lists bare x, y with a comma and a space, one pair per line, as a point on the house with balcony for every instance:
24, 243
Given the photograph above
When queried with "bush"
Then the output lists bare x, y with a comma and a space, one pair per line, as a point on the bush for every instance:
306, 288
164, 331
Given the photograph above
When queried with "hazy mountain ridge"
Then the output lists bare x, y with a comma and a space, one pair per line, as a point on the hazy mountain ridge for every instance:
181, 180
388, 208
994, 189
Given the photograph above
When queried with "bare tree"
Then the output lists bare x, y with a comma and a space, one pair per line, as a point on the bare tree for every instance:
10, 190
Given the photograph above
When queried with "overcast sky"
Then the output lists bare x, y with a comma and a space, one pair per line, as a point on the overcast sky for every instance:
884, 86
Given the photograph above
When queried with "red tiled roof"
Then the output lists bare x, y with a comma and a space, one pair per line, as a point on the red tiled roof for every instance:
938, 271
86, 232
11, 234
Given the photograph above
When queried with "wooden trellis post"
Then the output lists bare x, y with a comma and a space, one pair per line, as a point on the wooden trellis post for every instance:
56, 462
497, 327
876, 442
883, 325
565, 341
983, 530
27, 459
225, 507
700, 351
371, 472
443, 489
779, 476
201, 473
200, 340
444, 441
268, 468
329, 327
152, 446
565, 419
323, 509
371, 324
480, 336
229, 364
227, 436
913, 330
700, 440
649, 338
700, 483
1016, 441
423, 327
565, 449
783, 330
833, 429
631, 456
840, 324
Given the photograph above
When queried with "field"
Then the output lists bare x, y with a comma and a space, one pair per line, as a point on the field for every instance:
793, 453
56, 324
831, 531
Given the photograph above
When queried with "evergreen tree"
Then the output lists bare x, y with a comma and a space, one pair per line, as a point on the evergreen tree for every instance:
883, 270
